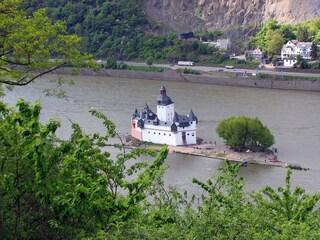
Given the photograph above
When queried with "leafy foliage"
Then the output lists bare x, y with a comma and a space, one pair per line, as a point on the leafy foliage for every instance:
244, 132
29, 44
53, 188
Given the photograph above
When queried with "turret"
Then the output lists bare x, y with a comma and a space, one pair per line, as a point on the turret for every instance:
192, 117
163, 99
165, 106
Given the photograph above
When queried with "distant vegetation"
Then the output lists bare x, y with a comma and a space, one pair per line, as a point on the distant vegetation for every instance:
284, 76
120, 28
145, 68
273, 35
189, 71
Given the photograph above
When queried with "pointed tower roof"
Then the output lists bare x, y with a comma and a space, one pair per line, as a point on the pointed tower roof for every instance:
163, 99
175, 117
192, 117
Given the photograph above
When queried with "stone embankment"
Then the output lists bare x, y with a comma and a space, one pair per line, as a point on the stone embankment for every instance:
172, 75
222, 152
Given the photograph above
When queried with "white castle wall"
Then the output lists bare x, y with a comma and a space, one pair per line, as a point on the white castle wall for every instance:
163, 134
165, 113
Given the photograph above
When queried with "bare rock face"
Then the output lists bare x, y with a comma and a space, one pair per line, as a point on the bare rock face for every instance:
197, 15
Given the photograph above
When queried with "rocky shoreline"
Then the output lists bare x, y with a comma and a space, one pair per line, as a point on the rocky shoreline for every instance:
220, 152
267, 157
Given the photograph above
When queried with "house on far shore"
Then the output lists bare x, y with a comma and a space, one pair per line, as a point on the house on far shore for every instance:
255, 55
166, 126
292, 49
221, 44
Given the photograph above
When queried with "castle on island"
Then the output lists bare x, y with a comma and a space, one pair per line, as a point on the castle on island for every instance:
165, 127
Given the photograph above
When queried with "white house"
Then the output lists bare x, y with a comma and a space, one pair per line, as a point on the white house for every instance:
294, 48
221, 44
255, 54
165, 127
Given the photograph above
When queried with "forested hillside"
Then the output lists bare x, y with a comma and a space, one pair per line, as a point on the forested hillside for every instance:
120, 29
107, 27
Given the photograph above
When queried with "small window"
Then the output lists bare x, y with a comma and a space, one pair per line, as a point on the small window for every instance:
148, 132
192, 135
188, 134
159, 133
154, 132
164, 134
169, 134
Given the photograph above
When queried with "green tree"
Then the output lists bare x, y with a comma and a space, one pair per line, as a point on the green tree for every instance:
274, 42
149, 61
314, 51
111, 63
65, 189
216, 34
260, 39
32, 46
239, 132
171, 38
302, 34
287, 32
287, 213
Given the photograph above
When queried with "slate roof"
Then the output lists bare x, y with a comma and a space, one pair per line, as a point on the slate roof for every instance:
148, 116
192, 117
163, 99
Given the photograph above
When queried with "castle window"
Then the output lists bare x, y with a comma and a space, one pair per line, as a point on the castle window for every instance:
154, 132
192, 135
165, 123
169, 134
164, 134
148, 132
159, 133
188, 134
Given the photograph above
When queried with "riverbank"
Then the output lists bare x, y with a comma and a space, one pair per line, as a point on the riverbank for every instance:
222, 152
172, 75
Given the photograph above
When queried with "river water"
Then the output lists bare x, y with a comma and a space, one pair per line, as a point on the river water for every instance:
292, 116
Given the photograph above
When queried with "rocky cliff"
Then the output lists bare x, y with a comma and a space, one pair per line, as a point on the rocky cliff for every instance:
197, 15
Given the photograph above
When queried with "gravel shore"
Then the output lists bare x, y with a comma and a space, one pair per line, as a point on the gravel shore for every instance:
222, 152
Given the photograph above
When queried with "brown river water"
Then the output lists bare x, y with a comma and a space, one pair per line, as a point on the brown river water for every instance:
292, 116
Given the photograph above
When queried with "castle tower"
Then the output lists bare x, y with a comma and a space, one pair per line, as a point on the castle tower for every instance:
165, 107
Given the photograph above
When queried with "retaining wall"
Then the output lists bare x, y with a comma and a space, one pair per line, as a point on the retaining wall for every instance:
172, 75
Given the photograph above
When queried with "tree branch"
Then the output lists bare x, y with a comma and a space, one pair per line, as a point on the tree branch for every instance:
21, 81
